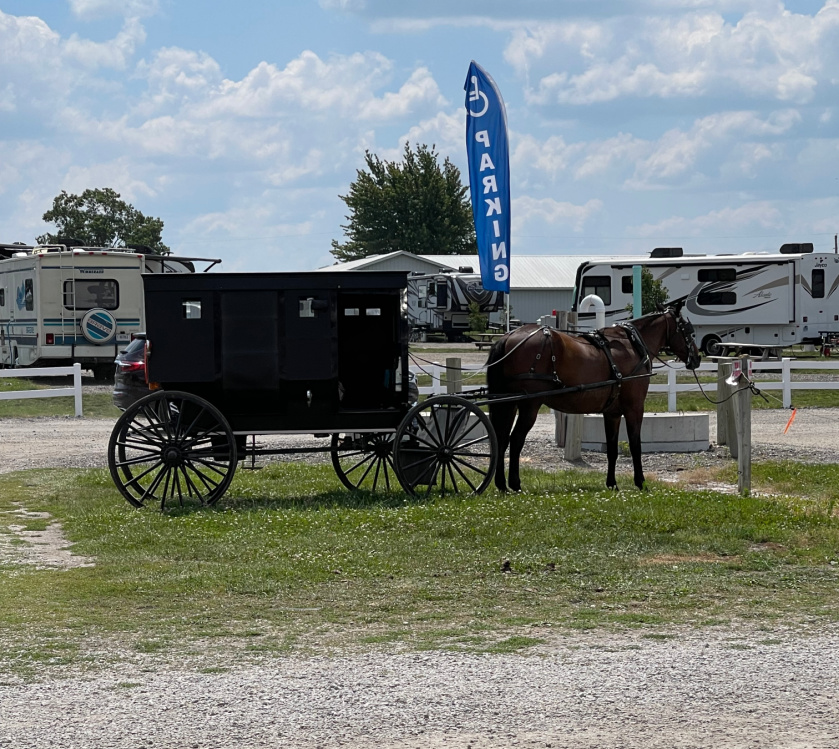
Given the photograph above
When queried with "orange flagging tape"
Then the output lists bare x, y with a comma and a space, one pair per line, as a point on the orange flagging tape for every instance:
791, 419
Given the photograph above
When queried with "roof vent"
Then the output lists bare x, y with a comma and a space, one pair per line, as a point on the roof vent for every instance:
794, 248
667, 252
465, 269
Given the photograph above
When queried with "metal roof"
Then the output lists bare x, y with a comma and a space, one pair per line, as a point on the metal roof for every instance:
526, 271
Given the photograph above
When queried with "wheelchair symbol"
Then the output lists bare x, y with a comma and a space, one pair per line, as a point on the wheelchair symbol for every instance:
475, 95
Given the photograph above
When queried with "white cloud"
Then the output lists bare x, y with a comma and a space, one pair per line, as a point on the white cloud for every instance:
525, 210
768, 52
758, 215
93, 9
115, 53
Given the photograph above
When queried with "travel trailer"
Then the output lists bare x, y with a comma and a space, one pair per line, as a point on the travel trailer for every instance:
439, 302
60, 305
771, 300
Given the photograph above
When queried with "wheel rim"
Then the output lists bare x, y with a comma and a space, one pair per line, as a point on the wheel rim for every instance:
713, 346
365, 461
173, 449
445, 444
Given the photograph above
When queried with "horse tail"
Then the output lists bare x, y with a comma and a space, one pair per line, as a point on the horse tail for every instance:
495, 373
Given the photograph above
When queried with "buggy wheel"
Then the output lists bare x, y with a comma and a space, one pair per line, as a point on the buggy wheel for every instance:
172, 448
365, 461
446, 443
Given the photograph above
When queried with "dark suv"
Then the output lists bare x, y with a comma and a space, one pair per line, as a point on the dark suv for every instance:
130, 376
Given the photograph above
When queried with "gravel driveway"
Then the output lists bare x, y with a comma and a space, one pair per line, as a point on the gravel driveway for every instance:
710, 688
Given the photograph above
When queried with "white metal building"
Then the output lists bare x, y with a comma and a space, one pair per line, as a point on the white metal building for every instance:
539, 284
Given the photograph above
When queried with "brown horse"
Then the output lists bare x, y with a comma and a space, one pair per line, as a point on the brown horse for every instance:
607, 371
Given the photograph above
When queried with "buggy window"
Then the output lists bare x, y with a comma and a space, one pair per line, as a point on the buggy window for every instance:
600, 285
2, 297
191, 309
84, 294
817, 283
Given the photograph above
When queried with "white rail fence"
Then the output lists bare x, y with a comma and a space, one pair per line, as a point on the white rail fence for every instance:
75, 391
677, 381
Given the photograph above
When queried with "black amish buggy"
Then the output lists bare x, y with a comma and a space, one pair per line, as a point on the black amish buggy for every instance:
235, 355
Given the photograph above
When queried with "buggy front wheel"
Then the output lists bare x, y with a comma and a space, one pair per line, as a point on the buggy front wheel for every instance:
172, 448
447, 443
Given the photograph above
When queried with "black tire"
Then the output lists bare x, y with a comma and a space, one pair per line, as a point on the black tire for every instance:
365, 461
712, 345
447, 443
173, 448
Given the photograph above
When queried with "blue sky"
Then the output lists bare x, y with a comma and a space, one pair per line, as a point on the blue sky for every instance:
707, 124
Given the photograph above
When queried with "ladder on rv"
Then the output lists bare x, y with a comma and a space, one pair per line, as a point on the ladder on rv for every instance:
67, 281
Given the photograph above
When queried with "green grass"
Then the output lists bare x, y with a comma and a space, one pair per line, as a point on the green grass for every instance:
291, 562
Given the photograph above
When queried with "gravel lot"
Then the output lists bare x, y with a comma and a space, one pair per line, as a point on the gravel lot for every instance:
712, 688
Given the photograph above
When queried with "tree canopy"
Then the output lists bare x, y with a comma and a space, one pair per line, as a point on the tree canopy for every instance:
98, 218
415, 205
654, 294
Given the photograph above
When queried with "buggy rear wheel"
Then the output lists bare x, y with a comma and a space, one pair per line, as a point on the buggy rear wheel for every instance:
365, 461
173, 448
445, 442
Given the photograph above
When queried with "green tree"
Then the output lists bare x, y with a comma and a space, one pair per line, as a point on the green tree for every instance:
654, 294
478, 321
98, 218
415, 205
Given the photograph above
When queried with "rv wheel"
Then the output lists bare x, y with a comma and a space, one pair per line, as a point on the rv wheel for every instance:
711, 345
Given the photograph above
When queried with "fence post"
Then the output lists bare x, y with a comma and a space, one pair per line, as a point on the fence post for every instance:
559, 428
671, 388
573, 437
723, 391
77, 388
786, 382
744, 432
454, 375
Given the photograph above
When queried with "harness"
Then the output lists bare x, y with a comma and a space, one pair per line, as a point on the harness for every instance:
598, 339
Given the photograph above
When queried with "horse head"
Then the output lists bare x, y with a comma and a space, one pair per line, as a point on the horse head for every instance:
680, 341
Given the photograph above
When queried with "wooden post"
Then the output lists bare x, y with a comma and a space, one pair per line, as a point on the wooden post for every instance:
559, 428
454, 375
562, 320
723, 391
573, 437
743, 410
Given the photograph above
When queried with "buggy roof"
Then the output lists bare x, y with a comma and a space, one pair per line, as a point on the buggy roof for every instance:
370, 281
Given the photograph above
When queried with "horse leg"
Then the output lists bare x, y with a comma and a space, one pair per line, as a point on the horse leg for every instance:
633, 433
611, 425
501, 417
528, 411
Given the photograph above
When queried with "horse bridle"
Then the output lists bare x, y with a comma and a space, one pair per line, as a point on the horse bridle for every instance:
684, 327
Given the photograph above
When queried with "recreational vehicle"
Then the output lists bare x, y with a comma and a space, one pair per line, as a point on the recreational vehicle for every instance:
60, 305
439, 302
771, 300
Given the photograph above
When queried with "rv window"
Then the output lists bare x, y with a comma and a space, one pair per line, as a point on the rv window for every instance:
716, 298
626, 284
84, 294
2, 297
708, 275
817, 284
28, 295
600, 285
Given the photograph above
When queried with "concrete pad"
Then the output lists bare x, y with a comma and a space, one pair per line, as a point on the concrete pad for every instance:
660, 432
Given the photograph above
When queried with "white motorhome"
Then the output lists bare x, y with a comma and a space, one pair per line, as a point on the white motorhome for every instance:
60, 305
439, 302
771, 300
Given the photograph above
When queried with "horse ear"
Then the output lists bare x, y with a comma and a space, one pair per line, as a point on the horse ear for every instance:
677, 305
